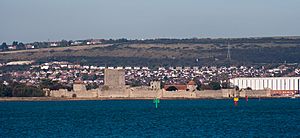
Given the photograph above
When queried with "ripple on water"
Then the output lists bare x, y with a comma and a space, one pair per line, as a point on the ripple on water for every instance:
173, 118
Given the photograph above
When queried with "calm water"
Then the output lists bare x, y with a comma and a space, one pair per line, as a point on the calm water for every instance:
175, 118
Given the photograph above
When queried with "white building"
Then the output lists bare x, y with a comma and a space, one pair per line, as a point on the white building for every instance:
19, 63
119, 67
111, 67
54, 44
273, 83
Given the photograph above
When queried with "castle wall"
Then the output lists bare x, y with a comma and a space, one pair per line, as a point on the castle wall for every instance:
147, 93
178, 94
71, 94
229, 93
60, 93
114, 94
87, 94
144, 93
257, 93
79, 87
209, 94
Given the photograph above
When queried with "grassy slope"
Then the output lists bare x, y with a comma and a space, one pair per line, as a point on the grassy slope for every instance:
162, 54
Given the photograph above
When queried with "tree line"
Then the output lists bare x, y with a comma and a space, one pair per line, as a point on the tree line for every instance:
15, 89
63, 43
15, 44
20, 90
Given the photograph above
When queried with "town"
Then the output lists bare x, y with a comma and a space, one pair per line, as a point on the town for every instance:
206, 77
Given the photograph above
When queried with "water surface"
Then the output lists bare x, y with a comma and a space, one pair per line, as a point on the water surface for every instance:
139, 118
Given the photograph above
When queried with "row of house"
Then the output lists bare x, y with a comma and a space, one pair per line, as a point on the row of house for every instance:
67, 73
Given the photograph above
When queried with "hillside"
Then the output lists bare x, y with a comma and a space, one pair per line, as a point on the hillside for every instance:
169, 52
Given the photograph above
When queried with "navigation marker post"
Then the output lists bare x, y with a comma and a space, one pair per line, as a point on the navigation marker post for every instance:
156, 101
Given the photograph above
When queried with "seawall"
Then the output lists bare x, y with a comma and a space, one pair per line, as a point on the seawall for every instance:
137, 93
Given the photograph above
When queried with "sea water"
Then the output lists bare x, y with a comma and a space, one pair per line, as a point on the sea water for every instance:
140, 118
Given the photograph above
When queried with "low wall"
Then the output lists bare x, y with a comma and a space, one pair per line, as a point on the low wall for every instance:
178, 94
72, 94
87, 94
257, 93
145, 93
209, 94
114, 94
60, 93
139, 93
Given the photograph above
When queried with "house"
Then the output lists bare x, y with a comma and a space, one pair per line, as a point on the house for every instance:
119, 68
54, 44
12, 47
29, 47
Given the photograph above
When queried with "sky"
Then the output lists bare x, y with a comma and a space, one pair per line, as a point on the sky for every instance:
43, 20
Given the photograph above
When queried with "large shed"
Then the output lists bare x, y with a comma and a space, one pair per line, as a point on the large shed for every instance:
278, 85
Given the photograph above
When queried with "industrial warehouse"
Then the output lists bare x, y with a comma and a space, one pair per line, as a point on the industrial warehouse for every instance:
278, 85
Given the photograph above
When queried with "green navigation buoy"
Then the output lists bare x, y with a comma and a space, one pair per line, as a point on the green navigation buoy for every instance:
156, 101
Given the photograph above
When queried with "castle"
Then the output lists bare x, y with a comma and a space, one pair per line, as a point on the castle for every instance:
114, 87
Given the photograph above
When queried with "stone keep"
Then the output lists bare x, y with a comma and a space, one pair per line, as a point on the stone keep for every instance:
114, 78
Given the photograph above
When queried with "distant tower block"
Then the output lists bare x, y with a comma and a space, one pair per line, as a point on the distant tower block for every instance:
114, 78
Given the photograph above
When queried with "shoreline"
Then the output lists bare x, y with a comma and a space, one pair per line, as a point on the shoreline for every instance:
29, 99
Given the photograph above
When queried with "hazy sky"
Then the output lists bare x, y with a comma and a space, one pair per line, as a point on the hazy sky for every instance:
40, 20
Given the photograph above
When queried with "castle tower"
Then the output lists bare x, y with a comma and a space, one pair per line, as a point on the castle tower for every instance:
114, 79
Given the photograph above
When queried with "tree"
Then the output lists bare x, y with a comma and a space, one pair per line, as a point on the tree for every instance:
236, 88
4, 46
52, 85
21, 90
64, 43
206, 87
5, 91
85, 76
91, 86
135, 83
214, 85
21, 46
199, 87
198, 83
15, 43
94, 77
70, 42
226, 85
